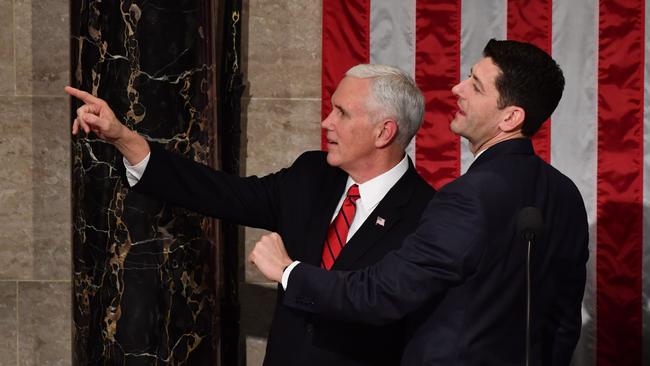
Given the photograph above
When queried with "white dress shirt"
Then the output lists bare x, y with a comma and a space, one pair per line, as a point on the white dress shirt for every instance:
371, 193
134, 172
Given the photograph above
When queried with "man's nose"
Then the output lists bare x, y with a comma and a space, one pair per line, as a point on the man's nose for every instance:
327, 122
457, 89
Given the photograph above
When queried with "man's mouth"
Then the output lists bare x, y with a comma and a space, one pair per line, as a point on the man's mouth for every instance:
459, 111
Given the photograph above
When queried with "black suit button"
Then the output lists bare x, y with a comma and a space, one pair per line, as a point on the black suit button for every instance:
309, 328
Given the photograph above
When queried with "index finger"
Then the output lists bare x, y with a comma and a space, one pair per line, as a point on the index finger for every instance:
82, 95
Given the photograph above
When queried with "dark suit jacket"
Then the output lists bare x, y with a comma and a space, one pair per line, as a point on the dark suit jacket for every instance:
298, 203
462, 273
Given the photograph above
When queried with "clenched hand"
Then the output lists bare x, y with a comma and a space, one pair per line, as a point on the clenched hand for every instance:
270, 256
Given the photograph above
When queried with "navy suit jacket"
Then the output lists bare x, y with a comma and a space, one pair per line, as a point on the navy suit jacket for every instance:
461, 275
298, 203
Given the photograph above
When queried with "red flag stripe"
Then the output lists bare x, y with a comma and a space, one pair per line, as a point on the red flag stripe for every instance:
437, 70
619, 182
531, 21
346, 42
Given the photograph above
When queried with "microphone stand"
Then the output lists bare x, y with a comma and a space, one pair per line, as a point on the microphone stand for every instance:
529, 225
528, 286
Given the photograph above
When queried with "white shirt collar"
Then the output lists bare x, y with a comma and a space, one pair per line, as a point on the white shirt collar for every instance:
479, 154
374, 190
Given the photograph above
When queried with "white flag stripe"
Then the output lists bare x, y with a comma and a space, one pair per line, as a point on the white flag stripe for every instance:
574, 123
392, 34
646, 192
392, 39
574, 133
480, 21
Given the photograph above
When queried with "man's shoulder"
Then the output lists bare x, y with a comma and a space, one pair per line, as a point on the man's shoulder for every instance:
311, 169
508, 174
566, 188
411, 190
313, 156
422, 188
486, 184
312, 161
477, 178
416, 179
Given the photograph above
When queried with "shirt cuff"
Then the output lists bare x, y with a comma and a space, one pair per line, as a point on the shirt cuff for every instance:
135, 172
286, 273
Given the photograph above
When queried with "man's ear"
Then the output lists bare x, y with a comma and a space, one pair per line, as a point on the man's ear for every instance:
386, 132
513, 119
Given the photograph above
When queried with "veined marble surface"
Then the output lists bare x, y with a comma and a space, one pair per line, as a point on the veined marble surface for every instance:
144, 277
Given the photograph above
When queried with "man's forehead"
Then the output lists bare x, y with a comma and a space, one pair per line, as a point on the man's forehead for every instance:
354, 81
485, 64
486, 70
354, 85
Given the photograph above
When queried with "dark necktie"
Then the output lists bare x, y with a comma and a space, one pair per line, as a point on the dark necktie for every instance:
337, 233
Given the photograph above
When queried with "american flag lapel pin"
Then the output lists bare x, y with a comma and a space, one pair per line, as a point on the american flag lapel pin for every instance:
380, 221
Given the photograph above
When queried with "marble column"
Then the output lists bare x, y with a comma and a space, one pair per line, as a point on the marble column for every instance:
145, 279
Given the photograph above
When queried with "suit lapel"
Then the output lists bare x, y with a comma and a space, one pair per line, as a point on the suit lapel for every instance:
388, 213
327, 198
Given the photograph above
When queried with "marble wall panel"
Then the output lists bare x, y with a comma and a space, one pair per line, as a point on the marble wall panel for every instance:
51, 188
278, 131
34, 194
35, 312
7, 67
42, 46
255, 350
144, 275
281, 58
8, 324
44, 323
282, 48
16, 188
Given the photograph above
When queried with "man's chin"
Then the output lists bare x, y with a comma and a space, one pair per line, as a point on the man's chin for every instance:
453, 126
331, 159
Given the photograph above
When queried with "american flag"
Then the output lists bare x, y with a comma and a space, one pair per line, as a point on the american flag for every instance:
596, 136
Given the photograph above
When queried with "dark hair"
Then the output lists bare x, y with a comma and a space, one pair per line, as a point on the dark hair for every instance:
529, 79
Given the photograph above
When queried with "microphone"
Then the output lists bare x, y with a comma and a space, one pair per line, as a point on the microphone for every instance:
529, 223
529, 227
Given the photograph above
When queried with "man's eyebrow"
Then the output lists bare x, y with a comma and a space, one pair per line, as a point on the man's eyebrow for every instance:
478, 81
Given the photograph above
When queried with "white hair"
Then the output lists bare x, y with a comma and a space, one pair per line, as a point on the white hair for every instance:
393, 94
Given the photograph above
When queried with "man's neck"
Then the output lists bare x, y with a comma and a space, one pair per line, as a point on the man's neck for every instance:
376, 167
503, 136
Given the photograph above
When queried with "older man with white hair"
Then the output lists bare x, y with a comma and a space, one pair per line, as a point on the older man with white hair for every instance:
341, 209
